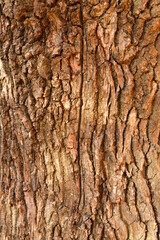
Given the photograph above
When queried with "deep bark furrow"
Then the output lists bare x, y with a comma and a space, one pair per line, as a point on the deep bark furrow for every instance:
81, 103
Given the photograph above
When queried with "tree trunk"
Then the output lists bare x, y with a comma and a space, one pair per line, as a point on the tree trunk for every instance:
80, 119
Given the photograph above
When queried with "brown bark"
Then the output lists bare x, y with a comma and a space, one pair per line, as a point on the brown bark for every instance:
80, 119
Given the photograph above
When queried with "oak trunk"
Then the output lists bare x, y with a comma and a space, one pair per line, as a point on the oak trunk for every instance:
79, 119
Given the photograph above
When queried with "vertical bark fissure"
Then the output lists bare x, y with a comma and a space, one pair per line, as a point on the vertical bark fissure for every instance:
81, 104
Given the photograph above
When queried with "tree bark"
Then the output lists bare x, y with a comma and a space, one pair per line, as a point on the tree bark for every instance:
80, 119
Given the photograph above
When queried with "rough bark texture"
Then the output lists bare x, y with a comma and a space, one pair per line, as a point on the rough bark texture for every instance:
80, 119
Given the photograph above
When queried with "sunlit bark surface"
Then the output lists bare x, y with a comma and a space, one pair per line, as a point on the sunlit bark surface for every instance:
79, 119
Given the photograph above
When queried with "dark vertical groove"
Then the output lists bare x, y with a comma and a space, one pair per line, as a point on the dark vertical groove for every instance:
81, 103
